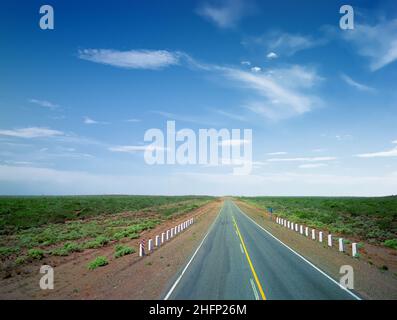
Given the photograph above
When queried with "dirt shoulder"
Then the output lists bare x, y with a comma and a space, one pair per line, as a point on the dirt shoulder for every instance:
369, 281
129, 277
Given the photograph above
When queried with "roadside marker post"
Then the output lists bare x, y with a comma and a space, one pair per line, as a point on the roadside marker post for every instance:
175, 230
142, 248
313, 234
307, 231
167, 237
330, 240
301, 230
354, 249
289, 224
341, 249
150, 245
292, 226
285, 223
172, 232
320, 236
157, 241
162, 237
296, 227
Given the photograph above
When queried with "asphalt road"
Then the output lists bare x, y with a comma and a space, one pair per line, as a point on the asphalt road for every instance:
239, 260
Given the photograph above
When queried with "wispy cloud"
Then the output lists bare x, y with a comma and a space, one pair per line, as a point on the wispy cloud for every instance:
227, 13
355, 84
278, 153
132, 59
135, 149
44, 103
303, 159
246, 63
31, 132
184, 118
377, 42
312, 165
133, 120
284, 90
285, 44
88, 120
381, 154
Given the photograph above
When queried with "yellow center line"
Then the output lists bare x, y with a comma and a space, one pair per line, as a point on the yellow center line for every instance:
249, 261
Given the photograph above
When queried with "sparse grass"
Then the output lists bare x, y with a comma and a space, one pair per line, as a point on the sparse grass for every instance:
36, 254
121, 251
31, 227
98, 262
371, 219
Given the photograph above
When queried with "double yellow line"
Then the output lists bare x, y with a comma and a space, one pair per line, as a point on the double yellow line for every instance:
249, 260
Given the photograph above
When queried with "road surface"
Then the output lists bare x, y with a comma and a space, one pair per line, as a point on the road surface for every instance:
239, 260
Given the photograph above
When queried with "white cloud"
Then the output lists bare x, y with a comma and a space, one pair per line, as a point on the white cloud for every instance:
355, 84
283, 90
44, 103
256, 69
342, 137
285, 44
381, 154
377, 42
395, 141
278, 153
135, 149
303, 159
312, 166
227, 14
246, 63
132, 59
88, 120
272, 55
133, 120
31, 132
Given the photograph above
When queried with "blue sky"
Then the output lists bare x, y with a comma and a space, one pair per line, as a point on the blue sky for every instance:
321, 101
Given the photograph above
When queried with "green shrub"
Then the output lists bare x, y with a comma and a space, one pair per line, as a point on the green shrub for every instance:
7, 251
21, 260
67, 248
36, 254
98, 262
391, 243
97, 243
121, 250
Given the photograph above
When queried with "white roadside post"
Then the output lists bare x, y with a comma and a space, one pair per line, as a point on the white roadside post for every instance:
301, 231
292, 226
157, 241
172, 232
150, 245
167, 235
277, 221
162, 237
141, 249
307, 231
341, 249
330, 240
289, 224
354, 249
285, 223
320, 236
313, 234
296, 227
175, 230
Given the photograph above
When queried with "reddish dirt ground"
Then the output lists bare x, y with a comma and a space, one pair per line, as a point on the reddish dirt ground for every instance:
369, 280
129, 277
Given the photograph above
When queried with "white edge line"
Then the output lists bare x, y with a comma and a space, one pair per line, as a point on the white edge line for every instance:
191, 259
300, 256
242, 250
